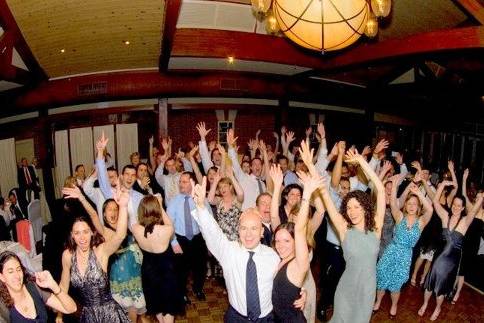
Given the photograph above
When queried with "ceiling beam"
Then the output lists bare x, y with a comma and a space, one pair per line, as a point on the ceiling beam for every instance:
172, 12
7, 21
137, 85
8, 72
473, 8
251, 46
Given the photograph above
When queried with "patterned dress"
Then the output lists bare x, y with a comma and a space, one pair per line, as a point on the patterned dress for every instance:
228, 220
386, 231
125, 276
95, 296
393, 268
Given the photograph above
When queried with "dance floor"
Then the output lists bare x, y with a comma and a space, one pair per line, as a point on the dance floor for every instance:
469, 308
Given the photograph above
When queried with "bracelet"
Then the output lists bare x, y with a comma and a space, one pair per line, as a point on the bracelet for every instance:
60, 291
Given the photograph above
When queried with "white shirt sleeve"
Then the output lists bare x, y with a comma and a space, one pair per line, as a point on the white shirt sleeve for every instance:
204, 153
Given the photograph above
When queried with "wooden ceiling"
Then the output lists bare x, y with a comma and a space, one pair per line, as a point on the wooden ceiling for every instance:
92, 34
196, 36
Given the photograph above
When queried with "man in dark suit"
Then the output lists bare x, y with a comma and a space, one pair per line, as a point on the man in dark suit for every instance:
27, 180
18, 208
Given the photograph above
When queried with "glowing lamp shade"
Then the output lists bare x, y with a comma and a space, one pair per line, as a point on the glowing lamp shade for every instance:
381, 8
342, 23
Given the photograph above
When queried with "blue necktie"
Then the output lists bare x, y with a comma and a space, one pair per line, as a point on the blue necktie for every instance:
252, 290
188, 220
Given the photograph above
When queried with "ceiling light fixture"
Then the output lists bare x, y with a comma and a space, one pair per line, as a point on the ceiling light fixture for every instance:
126, 42
322, 25
62, 50
230, 59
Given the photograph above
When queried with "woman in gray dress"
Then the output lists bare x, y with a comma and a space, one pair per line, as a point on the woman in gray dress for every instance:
359, 229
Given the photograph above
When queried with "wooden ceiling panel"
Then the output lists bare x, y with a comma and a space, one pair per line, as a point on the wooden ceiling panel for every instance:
92, 34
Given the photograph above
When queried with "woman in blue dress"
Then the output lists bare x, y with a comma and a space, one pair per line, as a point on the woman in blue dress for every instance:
124, 264
393, 268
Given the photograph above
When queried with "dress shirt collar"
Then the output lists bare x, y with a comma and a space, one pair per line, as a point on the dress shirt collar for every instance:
255, 250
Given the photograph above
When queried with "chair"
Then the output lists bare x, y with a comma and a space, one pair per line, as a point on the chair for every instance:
35, 218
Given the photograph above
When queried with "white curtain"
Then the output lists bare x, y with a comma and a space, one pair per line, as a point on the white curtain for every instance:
126, 143
109, 133
62, 168
8, 166
82, 151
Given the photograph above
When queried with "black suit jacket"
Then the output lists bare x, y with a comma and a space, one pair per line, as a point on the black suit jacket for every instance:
22, 180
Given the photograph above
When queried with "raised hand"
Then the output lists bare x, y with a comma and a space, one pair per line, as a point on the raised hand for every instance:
252, 144
283, 130
102, 142
276, 174
192, 152
221, 149
397, 179
352, 156
72, 192
309, 131
202, 130
399, 158
122, 197
366, 151
380, 146
165, 144
151, 141
275, 135
414, 189
306, 153
262, 146
333, 152
387, 165
231, 139
290, 137
341, 147
145, 182
450, 165
416, 165
257, 134
310, 182
199, 192
321, 131
466, 174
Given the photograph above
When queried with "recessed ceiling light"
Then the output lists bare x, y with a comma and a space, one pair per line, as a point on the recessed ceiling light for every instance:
230, 59
126, 42
62, 50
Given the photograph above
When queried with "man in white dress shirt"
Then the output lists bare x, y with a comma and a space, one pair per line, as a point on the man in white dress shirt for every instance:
250, 296
168, 182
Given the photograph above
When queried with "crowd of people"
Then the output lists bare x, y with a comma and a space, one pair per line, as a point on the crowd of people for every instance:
122, 245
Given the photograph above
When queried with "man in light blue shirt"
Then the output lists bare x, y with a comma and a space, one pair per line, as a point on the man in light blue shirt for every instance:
187, 243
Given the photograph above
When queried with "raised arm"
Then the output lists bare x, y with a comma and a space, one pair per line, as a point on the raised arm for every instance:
394, 204
276, 147
101, 168
453, 192
203, 132
277, 178
427, 207
110, 246
238, 190
472, 214
75, 193
65, 276
216, 240
301, 226
196, 169
384, 170
266, 165
441, 212
151, 158
469, 204
336, 175
379, 188
212, 198
231, 141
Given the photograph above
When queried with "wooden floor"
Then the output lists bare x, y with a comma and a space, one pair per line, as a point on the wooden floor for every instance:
470, 307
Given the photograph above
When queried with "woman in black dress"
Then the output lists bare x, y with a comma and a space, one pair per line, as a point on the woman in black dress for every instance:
153, 233
442, 276
291, 244
26, 296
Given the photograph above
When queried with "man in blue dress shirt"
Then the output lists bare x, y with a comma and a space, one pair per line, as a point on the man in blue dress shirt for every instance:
187, 243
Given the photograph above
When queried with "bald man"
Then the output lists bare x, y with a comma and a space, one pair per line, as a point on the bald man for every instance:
248, 266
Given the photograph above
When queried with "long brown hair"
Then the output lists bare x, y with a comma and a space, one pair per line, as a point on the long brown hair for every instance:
4, 293
96, 238
367, 205
149, 213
